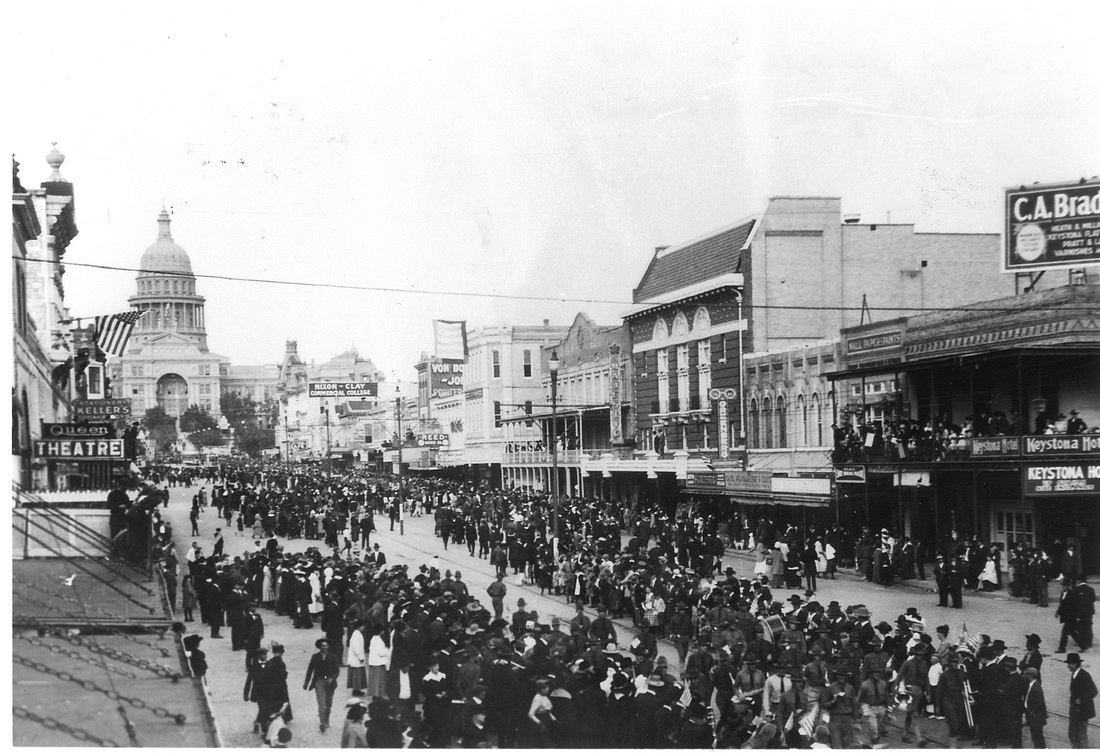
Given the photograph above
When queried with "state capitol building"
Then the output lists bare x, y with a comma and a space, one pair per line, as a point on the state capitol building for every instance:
168, 362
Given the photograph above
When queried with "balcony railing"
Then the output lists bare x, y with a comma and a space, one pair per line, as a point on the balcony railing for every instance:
948, 449
544, 457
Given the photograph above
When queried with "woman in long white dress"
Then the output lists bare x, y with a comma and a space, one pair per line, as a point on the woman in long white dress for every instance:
357, 658
269, 586
378, 665
317, 602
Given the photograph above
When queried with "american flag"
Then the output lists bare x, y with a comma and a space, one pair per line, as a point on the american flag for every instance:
112, 332
450, 339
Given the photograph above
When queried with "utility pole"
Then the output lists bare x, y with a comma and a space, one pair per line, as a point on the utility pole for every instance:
328, 441
286, 435
554, 366
400, 476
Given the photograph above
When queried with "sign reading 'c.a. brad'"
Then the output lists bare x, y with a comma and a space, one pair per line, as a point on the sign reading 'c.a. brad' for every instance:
1051, 226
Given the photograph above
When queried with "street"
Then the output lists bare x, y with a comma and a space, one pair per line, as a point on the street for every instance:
1007, 620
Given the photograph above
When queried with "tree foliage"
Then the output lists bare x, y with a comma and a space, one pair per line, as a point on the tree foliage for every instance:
252, 441
161, 428
206, 438
196, 419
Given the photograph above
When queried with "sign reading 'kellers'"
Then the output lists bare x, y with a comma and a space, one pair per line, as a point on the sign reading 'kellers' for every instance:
343, 389
1052, 226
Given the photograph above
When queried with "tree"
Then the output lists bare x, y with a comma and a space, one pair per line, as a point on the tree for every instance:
239, 411
206, 438
252, 441
196, 419
161, 428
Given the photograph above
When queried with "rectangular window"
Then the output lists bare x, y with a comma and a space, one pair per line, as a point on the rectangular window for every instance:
662, 380
857, 389
683, 377
496, 364
704, 375
496, 413
137, 370
528, 368
204, 369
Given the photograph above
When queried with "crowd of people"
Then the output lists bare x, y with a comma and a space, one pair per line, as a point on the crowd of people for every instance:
939, 439
426, 663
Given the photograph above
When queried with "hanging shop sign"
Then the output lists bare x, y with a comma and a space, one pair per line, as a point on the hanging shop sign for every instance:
77, 450
1058, 479
475, 394
1051, 226
615, 394
78, 431
1061, 444
343, 389
851, 474
101, 408
433, 440
994, 446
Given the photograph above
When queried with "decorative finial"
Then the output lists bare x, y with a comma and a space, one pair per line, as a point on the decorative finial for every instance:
165, 222
55, 159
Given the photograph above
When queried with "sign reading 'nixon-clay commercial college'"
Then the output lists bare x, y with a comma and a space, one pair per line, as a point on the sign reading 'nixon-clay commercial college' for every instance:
1052, 226
343, 389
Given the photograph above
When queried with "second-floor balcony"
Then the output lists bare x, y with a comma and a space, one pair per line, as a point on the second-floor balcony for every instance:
948, 449
543, 457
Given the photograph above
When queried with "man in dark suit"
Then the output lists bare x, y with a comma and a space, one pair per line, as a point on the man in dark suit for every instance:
1086, 610
321, 676
1068, 615
1082, 691
1035, 707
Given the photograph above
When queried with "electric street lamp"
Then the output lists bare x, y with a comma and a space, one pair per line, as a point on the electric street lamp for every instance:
554, 365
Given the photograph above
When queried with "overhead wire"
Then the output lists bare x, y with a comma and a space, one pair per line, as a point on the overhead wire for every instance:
1085, 308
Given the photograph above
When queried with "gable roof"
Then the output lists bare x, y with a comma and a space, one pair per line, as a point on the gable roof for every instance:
695, 261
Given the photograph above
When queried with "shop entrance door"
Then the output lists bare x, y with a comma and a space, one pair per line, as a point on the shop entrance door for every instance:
1011, 525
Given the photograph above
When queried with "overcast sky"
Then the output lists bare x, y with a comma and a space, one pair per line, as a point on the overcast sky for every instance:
532, 153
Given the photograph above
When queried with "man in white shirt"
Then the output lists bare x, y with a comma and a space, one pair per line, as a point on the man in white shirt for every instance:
775, 686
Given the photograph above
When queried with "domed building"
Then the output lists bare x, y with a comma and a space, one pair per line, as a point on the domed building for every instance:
167, 361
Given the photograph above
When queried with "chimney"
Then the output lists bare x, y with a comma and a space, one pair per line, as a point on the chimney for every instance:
660, 249
546, 322
851, 219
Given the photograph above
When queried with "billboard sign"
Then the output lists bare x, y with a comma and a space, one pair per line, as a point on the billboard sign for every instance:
1052, 226
1061, 444
343, 389
445, 378
433, 440
1058, 479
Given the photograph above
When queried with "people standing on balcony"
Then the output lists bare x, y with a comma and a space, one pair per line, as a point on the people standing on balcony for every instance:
1076, 424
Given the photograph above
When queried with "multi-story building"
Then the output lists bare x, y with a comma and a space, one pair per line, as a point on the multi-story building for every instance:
316, 428
167, 362
593, 422
791, 278
992, 429
503, 378
43, 226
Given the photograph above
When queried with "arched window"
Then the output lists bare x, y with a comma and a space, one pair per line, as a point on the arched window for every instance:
680, 326
660, 331
815, 409
754, 423
701, 324
800, 408
766, 418
830, 408
781, 421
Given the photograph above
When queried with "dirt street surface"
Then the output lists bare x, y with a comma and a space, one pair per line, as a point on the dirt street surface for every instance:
1004, 619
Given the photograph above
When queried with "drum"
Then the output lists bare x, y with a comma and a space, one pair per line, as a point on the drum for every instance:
773, 627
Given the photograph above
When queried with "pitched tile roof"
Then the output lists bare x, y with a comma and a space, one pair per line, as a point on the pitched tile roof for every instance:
694, 262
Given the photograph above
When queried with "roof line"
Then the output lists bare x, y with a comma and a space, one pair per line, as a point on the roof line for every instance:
680, 246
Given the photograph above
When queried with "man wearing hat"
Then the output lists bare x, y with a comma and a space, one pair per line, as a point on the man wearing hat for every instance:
1082, 692
497, 591
1033, 658
872, 697
519, 618
1035, 707
792, 706
840, 701
321, 676
1011, 704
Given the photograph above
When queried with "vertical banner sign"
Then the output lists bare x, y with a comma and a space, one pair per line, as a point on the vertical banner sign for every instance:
616, 395
723, 430
723, 398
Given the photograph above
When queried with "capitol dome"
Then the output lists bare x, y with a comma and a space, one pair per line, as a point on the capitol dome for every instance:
164, 256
